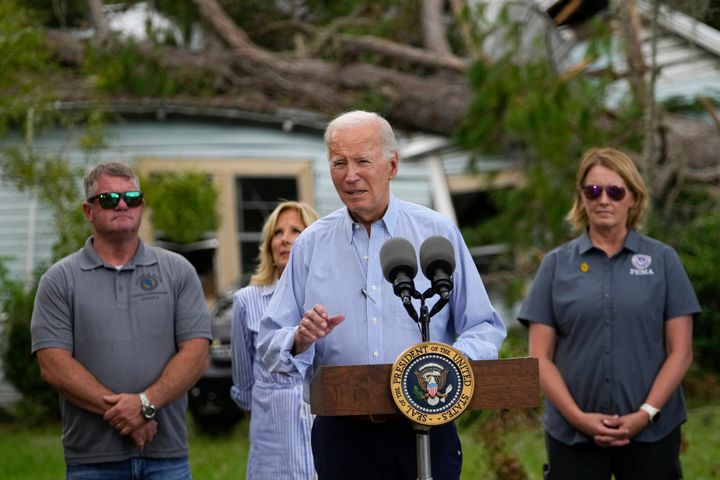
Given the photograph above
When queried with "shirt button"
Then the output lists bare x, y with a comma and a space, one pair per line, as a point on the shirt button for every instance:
373, 287
365, 258
376, 353
375, 320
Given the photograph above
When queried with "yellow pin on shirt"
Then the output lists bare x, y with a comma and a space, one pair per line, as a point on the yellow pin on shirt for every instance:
584, 267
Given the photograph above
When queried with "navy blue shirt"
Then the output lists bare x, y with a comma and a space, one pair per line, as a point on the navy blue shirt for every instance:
609, 315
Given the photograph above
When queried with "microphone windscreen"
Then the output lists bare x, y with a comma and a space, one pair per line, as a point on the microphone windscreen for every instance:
397, 252
437, 252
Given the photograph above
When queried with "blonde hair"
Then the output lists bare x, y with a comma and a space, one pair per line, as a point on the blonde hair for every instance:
266, 272
621, 164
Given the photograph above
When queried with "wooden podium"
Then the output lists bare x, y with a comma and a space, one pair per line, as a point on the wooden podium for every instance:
364, 389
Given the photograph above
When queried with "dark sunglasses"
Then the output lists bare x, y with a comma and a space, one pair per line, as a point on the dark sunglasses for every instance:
110, 200
593, 192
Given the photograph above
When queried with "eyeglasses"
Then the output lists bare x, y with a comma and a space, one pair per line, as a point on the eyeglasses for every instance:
593, 192
110, 200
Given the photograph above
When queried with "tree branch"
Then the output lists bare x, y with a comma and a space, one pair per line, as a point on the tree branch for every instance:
230, 33
396, 51
712, 111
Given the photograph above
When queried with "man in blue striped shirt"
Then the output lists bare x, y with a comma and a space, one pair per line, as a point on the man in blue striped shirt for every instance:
332, 305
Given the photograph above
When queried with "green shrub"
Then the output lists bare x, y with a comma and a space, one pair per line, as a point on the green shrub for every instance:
183, 206
19, 366
697, 244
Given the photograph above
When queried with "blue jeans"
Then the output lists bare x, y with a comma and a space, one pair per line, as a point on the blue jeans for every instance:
138, 468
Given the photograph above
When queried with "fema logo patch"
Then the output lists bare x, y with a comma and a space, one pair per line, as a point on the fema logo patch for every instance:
148, 281
641, 264
431, 383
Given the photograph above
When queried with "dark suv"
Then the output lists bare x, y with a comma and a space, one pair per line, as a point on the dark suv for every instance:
210, 404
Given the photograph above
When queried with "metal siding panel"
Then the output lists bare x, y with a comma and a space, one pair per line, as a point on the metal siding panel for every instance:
14, 215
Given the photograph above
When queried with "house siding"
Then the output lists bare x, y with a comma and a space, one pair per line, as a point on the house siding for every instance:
133, 140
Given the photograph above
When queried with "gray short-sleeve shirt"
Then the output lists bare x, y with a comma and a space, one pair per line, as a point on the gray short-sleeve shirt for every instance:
609, 314
123, 325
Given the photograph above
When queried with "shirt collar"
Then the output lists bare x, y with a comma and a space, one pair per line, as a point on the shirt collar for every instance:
391, 215
632, 241
584, 243
268, 290
390, 219
89, 258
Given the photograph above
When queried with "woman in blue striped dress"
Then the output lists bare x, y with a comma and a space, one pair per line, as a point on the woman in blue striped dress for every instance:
280, 421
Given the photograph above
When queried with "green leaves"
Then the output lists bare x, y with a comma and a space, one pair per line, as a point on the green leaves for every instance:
697, 242
24, 56
524, 109
125, 69
21, 43
183, 206
19, 367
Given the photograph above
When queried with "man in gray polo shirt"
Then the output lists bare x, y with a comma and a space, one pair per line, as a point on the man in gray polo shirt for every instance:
121, 331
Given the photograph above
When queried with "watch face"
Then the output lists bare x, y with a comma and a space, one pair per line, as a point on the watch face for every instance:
148, 411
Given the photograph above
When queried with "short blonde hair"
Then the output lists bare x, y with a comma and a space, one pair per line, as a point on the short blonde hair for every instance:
266, 272
621, 164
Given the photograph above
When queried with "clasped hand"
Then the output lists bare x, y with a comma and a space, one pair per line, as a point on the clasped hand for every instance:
124, 415
612, 430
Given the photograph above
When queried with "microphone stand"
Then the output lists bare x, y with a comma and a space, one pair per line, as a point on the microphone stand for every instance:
422, 432
425, 313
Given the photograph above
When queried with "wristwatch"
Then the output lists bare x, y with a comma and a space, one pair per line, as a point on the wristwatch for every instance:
653, 413
147, 408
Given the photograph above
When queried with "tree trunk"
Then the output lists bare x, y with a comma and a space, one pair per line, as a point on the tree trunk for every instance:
433, 27
98, 19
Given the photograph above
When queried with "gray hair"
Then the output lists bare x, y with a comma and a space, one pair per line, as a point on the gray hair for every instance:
357, 118
111, 169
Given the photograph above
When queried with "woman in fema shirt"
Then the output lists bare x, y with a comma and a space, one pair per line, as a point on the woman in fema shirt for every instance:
610, 321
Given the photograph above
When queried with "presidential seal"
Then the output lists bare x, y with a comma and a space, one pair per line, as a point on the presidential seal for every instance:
431, 383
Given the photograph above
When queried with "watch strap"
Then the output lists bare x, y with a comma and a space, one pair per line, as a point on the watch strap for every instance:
147, 409
650, 410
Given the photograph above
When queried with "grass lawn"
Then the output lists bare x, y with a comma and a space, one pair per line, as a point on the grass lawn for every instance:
36, 454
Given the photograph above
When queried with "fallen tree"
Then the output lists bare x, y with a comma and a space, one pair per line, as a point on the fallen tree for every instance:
329, 70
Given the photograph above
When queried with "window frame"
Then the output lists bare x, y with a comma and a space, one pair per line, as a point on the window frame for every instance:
223, 173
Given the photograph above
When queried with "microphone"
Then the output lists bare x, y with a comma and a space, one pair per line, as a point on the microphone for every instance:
399, 267
437, 258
